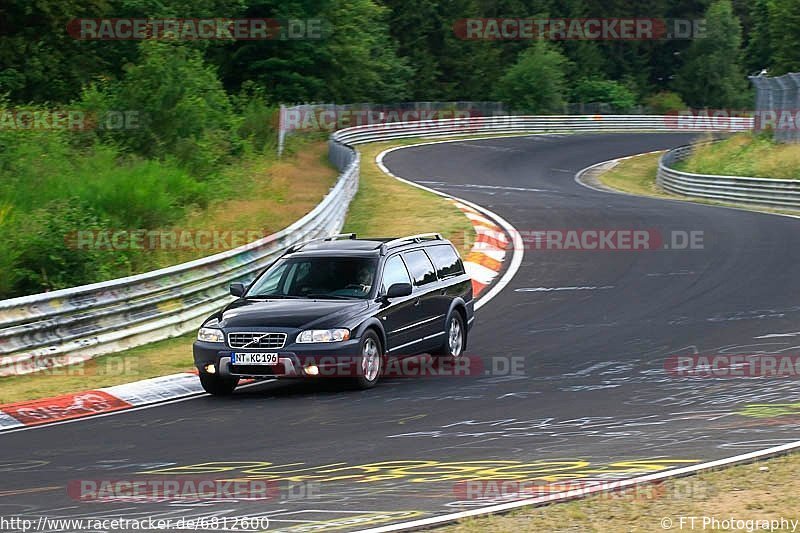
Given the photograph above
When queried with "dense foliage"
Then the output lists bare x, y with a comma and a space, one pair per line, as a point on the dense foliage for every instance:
394, 50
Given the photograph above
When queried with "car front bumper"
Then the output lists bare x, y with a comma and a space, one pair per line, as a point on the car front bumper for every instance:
337, 359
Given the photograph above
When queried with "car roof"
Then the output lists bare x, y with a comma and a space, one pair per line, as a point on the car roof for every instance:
349, 245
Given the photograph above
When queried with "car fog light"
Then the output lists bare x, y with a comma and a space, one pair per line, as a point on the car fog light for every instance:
312, 370
210, 368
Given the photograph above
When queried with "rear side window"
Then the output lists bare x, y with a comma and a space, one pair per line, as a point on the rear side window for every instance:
446, 261
394, 272
420, 266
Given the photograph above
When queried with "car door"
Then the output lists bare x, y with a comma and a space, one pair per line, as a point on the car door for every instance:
399, 314
448, 267
428, 328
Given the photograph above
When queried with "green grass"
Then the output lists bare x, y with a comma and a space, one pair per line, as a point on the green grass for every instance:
746, 155
385, 207
169, 356
636, 175
743, 492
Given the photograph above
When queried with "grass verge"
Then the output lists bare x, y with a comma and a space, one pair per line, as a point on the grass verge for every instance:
768, 490
386, 207
282, 193
636, 175
746, 154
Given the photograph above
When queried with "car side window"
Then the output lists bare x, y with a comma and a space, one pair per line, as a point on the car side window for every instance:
446, 260
420, 266
394, 272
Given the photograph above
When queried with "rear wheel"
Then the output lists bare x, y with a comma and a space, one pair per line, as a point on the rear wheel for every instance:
370, 362
218, 386
454, 337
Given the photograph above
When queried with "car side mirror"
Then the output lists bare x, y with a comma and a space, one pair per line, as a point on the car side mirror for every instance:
398, 290
237, 289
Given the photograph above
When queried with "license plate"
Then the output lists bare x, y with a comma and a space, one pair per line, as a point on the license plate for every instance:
254, 359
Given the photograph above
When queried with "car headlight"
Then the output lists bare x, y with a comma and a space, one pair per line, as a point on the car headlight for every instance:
210, 335
324, 335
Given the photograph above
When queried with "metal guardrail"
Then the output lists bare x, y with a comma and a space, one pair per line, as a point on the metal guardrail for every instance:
736, 189
71, 325
539, 124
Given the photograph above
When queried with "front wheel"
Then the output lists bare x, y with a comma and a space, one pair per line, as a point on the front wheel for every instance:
370, 362
455, 337
218, 386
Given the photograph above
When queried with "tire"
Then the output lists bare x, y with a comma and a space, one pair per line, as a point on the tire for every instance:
370, 363
455, 335
218, 386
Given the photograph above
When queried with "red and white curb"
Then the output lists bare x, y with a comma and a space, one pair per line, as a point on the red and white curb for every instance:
485, 260
98, 401
495, 239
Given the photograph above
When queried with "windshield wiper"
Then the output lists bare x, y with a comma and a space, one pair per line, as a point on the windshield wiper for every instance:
332, 296
271, 297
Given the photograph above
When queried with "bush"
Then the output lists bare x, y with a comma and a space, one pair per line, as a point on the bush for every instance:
614, 93
44, 254
259, 122
665, 102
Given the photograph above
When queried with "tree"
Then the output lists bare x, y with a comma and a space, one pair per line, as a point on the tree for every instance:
536, 83
712, 75
784, 36
759, 46
353, 58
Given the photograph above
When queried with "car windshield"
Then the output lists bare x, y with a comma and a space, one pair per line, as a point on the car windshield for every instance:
316, 277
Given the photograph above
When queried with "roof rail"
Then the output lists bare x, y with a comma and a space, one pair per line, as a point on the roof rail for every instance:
411, 239
297, 247
340, 236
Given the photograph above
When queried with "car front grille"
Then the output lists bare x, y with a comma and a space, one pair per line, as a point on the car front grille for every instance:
256, 340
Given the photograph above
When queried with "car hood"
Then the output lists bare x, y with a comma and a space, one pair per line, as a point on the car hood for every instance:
301, 313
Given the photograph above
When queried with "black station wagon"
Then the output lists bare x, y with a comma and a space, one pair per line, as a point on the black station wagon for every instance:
340, 306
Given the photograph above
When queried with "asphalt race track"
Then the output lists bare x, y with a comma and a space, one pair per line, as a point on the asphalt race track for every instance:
590, 398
